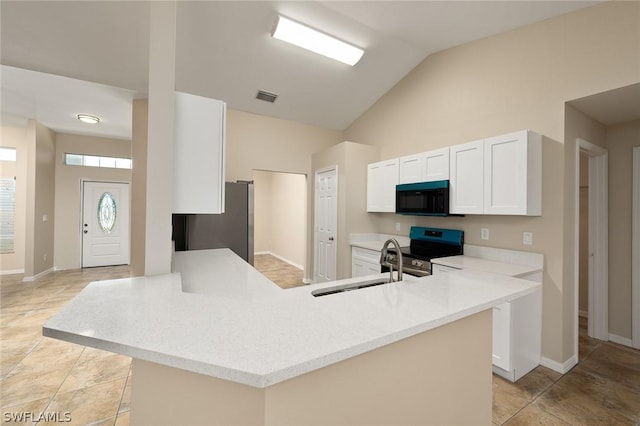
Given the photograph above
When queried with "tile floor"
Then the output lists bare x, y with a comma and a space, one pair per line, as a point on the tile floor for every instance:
42, 375
281, 273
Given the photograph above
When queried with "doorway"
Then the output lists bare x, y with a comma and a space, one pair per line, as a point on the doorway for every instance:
597, 255
280, 226
325, 224
105, 224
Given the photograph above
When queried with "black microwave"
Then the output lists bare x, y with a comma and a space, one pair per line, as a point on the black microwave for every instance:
423, 198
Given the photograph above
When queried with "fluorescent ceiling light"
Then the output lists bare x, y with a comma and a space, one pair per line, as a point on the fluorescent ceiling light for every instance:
86, 118
308, 38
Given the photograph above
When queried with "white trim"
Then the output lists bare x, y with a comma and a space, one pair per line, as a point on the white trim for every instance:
635, 251
257, 253
620, 340
599, 247
37, 276
598, 241
561, 368
12, 272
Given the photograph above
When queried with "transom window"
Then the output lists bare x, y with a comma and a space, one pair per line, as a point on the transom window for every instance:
96, 161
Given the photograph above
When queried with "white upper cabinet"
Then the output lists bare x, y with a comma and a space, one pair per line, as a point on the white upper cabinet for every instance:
199, 147
466, 193
410, 169
425, 167
382, 178
513, 174
500, 175
436, 165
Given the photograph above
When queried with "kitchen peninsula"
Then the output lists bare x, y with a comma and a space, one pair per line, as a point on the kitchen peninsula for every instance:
218, 343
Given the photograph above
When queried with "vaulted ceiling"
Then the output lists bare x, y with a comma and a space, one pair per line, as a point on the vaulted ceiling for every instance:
224, 50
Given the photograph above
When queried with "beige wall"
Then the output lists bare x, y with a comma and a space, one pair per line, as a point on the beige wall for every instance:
16, 137
515, 80
68, 191
621, 139
138, 185
281, 215
43, 252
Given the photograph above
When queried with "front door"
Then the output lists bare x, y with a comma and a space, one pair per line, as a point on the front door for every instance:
326, 219
105, 224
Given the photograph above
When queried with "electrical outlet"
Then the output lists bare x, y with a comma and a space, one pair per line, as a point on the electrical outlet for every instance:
45, 257
45, 218
527, 238
397, 226
484, 233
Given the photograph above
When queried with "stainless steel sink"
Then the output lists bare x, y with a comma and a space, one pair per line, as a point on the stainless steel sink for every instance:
349, 287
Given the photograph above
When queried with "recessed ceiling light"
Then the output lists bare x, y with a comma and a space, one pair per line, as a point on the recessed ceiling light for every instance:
310, 39
86, 118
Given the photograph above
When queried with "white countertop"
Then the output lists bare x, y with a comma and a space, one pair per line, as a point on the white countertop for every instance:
477, 264
375, 241
222, 318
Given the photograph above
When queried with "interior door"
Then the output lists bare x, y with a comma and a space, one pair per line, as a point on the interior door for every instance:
326, 219
105, 224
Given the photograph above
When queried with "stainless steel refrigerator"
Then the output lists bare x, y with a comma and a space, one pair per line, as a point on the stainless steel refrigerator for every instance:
232, 229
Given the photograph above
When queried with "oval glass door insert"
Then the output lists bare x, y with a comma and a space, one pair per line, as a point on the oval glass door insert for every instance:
107, 212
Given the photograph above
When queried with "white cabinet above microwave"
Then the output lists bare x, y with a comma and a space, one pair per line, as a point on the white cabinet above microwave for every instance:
425, 167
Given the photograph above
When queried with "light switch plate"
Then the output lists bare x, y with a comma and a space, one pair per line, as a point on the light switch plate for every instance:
527, 238
484, 233
398, 226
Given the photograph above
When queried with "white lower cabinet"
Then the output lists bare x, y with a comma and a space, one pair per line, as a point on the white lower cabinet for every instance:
517, 331
364, 262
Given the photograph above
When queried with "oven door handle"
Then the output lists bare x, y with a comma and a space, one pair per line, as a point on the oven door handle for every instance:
415, 272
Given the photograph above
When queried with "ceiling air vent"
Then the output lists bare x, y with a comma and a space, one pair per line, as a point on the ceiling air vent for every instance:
266, 96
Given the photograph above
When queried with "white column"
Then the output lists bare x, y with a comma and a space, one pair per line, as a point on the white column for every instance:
160, 137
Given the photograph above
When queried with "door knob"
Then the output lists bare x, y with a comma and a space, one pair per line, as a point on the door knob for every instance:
85, 225
85, 231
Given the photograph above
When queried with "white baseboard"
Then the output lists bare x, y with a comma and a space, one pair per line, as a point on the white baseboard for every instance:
37, 276
285, 260
12, 272
620, 340
561, 368
261, 252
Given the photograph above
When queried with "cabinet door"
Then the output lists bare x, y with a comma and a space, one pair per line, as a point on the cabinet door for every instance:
502, 336
435, 165
513, 174
382, 178
411, 169
199, 146
361, 268
466, 178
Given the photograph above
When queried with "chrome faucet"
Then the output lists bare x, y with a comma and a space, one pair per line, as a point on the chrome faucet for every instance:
385, 262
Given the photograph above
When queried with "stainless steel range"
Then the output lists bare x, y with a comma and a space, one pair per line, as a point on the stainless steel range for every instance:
427, 244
